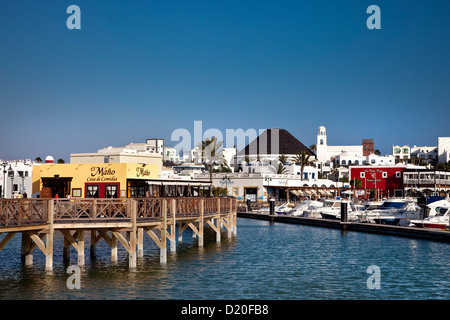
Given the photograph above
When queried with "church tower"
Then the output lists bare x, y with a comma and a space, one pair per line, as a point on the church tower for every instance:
321, 146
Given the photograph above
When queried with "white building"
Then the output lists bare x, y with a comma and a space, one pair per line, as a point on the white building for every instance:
443, 149
326, 154
16, 178
259, 187
150, 152
401, 153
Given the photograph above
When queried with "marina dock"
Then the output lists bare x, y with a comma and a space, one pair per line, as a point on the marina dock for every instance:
124, 221
410, 232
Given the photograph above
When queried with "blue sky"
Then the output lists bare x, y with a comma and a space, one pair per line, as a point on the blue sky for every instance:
141, 69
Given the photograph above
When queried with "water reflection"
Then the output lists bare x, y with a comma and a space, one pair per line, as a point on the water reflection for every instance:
264, 261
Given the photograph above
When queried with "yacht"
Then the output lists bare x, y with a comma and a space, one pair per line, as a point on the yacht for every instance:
367, 209
395, 211
301, 210
332, 209
439, 215
281, 209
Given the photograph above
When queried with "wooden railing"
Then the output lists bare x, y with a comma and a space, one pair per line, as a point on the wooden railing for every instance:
31, 211
23, 211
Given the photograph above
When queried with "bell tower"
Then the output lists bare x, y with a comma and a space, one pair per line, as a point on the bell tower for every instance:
322, 144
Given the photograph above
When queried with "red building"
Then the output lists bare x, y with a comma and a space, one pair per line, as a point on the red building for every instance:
378, 181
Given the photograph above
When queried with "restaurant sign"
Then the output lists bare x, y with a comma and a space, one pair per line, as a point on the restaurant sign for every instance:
101, 174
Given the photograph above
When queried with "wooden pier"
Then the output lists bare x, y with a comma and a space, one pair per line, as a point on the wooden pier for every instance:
124, 221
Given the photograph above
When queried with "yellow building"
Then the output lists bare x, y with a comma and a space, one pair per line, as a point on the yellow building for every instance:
95, 180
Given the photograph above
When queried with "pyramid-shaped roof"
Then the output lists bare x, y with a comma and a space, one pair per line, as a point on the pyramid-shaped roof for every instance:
276, 142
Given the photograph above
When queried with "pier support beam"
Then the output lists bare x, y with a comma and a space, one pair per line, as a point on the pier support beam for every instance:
133, 235
201, 224
180, 231
27, 249
172, 233
140, 243
48, 250
75, 240
93, 243
81, 259
218, 221
163, 241
113, 245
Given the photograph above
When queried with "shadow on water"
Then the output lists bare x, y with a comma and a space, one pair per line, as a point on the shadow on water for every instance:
103, 279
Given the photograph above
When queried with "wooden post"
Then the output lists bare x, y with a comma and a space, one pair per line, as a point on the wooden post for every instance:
235, 217
66, 251
113, 247
180, 231
49, 237
163, 247
81, 259
93, 243
230, 218
218, 221
27, 253
132, 250
140, 243
201, 223
173, 243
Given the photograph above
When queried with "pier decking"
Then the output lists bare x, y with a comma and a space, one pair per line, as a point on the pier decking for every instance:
123, 221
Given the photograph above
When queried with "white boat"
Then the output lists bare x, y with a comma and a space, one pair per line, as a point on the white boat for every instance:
332, 210
367, 209
302, 209
281, 209
395, 211
438, 218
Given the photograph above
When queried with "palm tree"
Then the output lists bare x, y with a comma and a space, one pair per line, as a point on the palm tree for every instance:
211, 153
278, 168
313, 148
283, 158
335, 173
302, 159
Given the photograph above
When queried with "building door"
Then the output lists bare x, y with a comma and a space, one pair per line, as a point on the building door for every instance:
60, 186
251, 193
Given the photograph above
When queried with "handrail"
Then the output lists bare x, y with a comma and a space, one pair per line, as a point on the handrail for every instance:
31, 211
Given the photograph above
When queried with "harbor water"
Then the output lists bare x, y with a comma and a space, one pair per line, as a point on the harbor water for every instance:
263, 262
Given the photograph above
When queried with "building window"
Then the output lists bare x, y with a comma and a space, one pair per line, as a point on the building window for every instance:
362, 175
112, 191
76, 192
321, 141
384, 175
93, 191
398, 174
